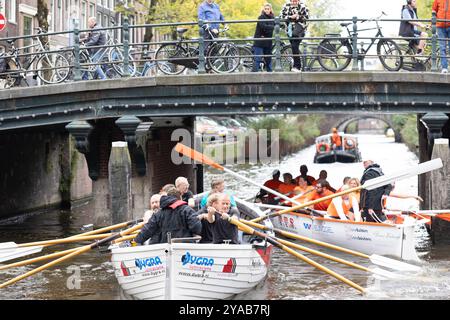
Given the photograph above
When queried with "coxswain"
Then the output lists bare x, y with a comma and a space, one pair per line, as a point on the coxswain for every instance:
336, 141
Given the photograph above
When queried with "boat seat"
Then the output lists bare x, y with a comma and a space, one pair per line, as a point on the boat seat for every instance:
181, 30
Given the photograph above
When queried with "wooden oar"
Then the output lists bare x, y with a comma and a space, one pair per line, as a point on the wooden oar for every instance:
58, 254
72, 254
12, 250
376, 271
274, 241
200, 157
374, 258
368, 185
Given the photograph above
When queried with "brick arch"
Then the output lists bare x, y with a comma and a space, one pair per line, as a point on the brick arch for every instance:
343, 124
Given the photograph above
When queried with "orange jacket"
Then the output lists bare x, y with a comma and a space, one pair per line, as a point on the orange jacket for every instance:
304, 198
274, 185
286, 188
333, 212
323, 206
442, 9
336, 139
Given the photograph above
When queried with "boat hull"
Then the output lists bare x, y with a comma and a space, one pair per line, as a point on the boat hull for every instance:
189, 271
369, 238
337, 156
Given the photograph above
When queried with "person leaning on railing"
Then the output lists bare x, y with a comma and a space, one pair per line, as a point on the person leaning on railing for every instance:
296, 13
442, 10
410, 28
264, 29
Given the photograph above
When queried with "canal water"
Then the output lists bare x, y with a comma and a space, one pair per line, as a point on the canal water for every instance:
288, 277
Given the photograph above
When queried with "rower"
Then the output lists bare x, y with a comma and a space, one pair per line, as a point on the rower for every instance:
273, 184
287, 187
217, 186
342, 207
320, 192
302, 191
304, 173
222, 230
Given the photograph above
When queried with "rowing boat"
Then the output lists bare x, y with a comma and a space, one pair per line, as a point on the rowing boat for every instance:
396, 240
190, 271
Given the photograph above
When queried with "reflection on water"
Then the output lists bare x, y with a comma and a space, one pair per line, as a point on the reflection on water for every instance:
288, 278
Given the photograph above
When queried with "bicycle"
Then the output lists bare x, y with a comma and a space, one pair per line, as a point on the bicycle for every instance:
49, 67
174, 58
336, 53
412, 61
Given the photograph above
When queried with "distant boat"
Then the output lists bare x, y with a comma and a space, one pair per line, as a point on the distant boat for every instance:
191, 271
349, 153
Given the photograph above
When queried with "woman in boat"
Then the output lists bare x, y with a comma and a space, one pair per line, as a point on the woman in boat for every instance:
345, 207
354, 183
302, 191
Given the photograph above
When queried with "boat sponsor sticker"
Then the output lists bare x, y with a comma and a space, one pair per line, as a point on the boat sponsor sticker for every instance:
317, 227
197, 263
357, 233
230, 267
146, 267
287, 222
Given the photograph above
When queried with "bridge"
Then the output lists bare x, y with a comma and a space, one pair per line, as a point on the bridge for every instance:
44, 165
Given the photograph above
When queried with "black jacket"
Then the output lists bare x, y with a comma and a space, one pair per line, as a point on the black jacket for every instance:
371, 199
264, 29
175, 217
207, 228
95, 38
406, 28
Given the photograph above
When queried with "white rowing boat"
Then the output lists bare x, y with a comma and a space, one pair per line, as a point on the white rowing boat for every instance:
190, 271
395, 240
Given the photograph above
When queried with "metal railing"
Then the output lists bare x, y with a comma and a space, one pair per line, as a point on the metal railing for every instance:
62, 63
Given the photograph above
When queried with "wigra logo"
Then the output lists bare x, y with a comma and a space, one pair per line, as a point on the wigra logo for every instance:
199, 261
148, 262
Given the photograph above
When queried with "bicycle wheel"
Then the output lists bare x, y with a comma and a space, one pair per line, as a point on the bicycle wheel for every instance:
116, 57
52, 68
246, 59
223, 57
334, 54
165, 54
287, 62
151, 70
389, 54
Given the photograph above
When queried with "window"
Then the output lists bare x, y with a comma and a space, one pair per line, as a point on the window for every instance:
91, 10
83, 15
27, 30
11, 11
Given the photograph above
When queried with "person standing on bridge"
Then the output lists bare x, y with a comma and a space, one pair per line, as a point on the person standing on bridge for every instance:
95, 38
296, 13
264, 29
370, 200
442, 10
209, 11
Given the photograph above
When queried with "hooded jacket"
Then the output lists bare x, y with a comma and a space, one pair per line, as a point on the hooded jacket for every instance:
175, 217
264, 29
371, 199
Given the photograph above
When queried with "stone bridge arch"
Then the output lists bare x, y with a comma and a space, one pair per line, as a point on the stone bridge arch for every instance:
387, 119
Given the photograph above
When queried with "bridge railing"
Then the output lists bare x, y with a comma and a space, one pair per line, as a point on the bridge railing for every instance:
50, 59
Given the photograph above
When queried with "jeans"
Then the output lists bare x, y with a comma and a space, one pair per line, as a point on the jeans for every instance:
98, 69
444, 45
258, 51
295, 44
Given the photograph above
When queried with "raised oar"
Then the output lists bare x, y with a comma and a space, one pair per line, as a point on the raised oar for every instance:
368, 185
200, 157
12, 250
281, 246
374, 258
72, 254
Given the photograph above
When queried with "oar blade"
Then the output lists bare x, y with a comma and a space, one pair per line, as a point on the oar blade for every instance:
384, 274
196, 156
403, 174
7, 246
393, 264
14, 253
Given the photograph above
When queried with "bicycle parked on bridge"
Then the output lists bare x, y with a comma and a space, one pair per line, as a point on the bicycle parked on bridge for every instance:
220, 56
336, 52
49, 67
